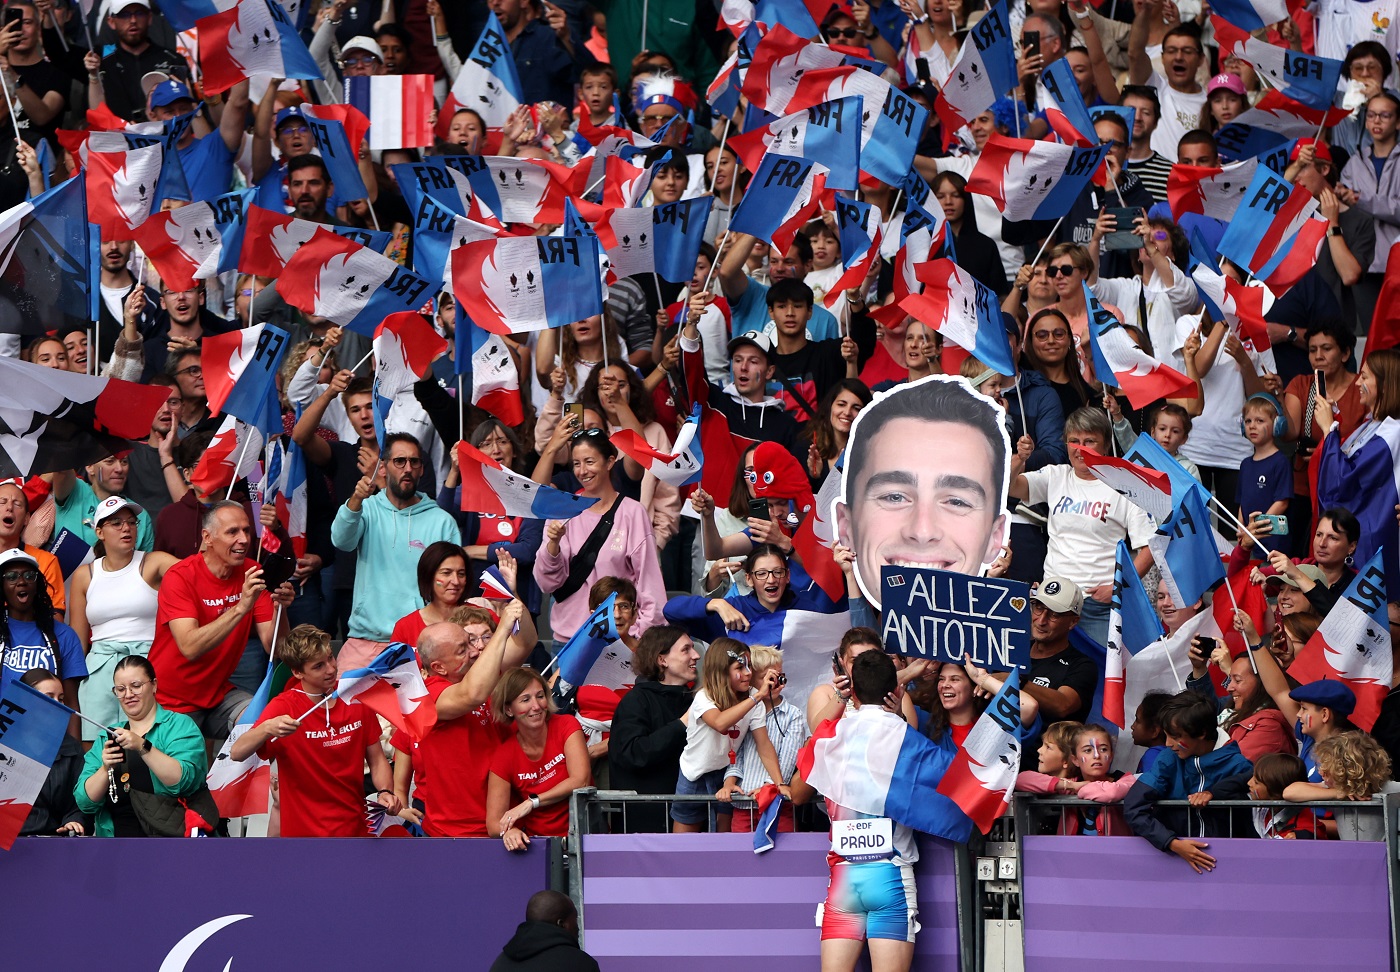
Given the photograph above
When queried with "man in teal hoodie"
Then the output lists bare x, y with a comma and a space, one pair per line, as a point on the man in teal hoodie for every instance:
389, 530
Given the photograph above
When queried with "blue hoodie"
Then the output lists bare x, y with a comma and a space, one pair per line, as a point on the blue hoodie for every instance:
688, 613
389, 542
1044, 415
1223, 772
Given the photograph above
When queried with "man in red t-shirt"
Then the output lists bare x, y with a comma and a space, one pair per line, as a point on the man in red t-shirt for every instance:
463, 665
320, 759
208, 607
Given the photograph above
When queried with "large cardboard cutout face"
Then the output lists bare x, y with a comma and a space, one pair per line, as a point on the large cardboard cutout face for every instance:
925, 481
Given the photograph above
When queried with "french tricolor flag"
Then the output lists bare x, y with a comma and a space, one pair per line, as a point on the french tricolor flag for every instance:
31, 729
1132, 626
1290, 118
964, 311
528, 190
398, 107
1066, 112
495, 375
231, 455
1209, 191
1121, 363
240, 789
392, 686
982, 776
783, 194
770, 805
123, 189
985, 70
528, 283
252, 37
1033, 180
488, 83
1302, 77
1241, 306
859, 226
1147, 488
680, 469
1353, 644
240, 374
183, 244
780, 61
286, 477
405, 347
1275, 234
494, 586
350, 284
488, 487
830, 132
1252, 15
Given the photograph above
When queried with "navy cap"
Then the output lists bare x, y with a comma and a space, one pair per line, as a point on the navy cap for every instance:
284, 115
169, 92
1328, 692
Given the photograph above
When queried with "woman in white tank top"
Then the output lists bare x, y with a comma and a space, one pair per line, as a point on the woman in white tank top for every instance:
112, 606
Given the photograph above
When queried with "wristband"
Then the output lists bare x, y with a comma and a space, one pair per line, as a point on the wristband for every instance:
534, 801
167, 465
382, 790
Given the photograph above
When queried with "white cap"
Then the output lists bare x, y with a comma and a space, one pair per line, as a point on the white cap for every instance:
111, 505
13, 558
360, 42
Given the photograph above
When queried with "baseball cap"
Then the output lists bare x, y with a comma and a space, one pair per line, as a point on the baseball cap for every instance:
16, 558
1321, 152
152, 78
168, 92
286, 114
112, 505
115, 7
1311, 571
1227, 82
362, 43
756, 338
1059, 595
1328, 692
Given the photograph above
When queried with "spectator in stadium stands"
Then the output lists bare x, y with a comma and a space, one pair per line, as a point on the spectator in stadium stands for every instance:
787, 730
1091, 754
1200, 771
1274, 773
184, 366
55, 811
388, 529
1333, 553
613, 538
132, 58
442, 583
139, 782
1371, 183
154, 480
537, 767
463, 665
649, 726
209, 605
1179, 93
30, 633
114, 603
828, 433
1352, 766
748, 299
547, 940
744, 402
320, 743
14, 517
1353, 239
76, 500
1151, 168
1254, 722
1048, 351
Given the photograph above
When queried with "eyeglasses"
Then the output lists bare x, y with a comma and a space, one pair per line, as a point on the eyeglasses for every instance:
364, 60
1057, 271
1188, 51
125, 521
1059, 334
735, 656
11, 576
777, 573
294, 128
851, 32
478, 639
625, 605
194, 371
131, 688
1379, 115
406, 462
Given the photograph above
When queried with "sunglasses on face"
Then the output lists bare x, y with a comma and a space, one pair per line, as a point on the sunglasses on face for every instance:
1058, 271
850, 32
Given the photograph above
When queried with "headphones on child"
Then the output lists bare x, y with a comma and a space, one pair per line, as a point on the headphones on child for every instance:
1280, 420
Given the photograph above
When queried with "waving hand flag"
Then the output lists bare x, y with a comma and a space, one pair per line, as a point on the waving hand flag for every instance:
488, 83
1240, 306
488, 487
577, 656
1147, 488
287, 492
1275, 234
397, 106
982, 776
339, 131
679, 469
405, 346
1149, 454
829, 133
858, 226
241, 788
1289, 118
1210, 191
1184, 547
527, 283
664, 240
892, 122
985, 70
785, 193
494, 374
1066, 112
779, 61
1033, 180
351, 285
1302, 77
391, 686
265, 241
183, 14
1251, 15
436, 230
1353, 644
45, 267
1236, 141
1132, 626
31, 729
123, 189
964, 311
240, 374
1121, 363
231, 455
252, 37
185, 244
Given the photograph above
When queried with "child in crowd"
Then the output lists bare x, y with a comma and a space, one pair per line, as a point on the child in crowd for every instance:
596, 87
1266, 478
1353, 766
722, 715
1091, 756
787, 730
1147, 729
826, 258
1169, 425
1199, 773
1273, 774
986, 381
1056, 751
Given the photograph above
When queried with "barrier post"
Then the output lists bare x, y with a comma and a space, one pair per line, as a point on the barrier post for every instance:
1390, 802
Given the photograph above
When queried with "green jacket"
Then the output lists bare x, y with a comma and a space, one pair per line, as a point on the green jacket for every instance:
670, 28
174, 734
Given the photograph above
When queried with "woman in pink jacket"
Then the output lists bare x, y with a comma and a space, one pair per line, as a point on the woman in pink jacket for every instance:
1093, 756
612, 539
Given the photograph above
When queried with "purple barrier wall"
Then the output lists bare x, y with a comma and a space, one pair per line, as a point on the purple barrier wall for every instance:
705, 901
1269, 904
87, 903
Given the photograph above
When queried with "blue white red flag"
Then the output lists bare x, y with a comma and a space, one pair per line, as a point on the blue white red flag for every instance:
287, 492
770, 805
1292, 119
579, 653
1184, 547
183, 14
1236, 141
350, 284
252, 37
873, 762
124, 188
1275, 233
263, 241
436, 230
1121, 363
723, 92
1252, 15
1208, 190
829, 133
47, 265
984, 71
232, 454
339, 131
1241, 306
32, 726
488, 83
892, 125
680, 468
398, 107
920, 238
495, 377
1147, 488
526, 283
664, 240
793, 15
391, 686
778, 61
241, 789
1148, 453
405, 347
783, 194
964, 311
1309, 80
982, 776
1362, 474
184, 245
1066, 112
488, 487
1033, 180
240, 374
494, 586
859, 227
1132, 626
1353, 643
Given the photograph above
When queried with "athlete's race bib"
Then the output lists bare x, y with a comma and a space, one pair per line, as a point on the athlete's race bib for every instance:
860, 841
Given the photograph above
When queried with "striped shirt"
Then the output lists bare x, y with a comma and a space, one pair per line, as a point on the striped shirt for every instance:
1153, 172
787, 731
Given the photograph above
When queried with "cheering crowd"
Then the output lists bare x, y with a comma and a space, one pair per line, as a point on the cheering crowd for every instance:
1193, 295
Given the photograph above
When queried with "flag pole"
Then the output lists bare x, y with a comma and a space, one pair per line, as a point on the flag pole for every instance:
719, 250
1053, 230
14, 123
1175, 674
1114, 179
723, 137
311, 711
461, 411
375, 216
53, 19
361, 362
1234, 521
1236, 604
242, 453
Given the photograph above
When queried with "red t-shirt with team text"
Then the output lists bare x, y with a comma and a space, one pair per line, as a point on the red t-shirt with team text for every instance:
456, 756
190, 590
321, 766
528, 776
